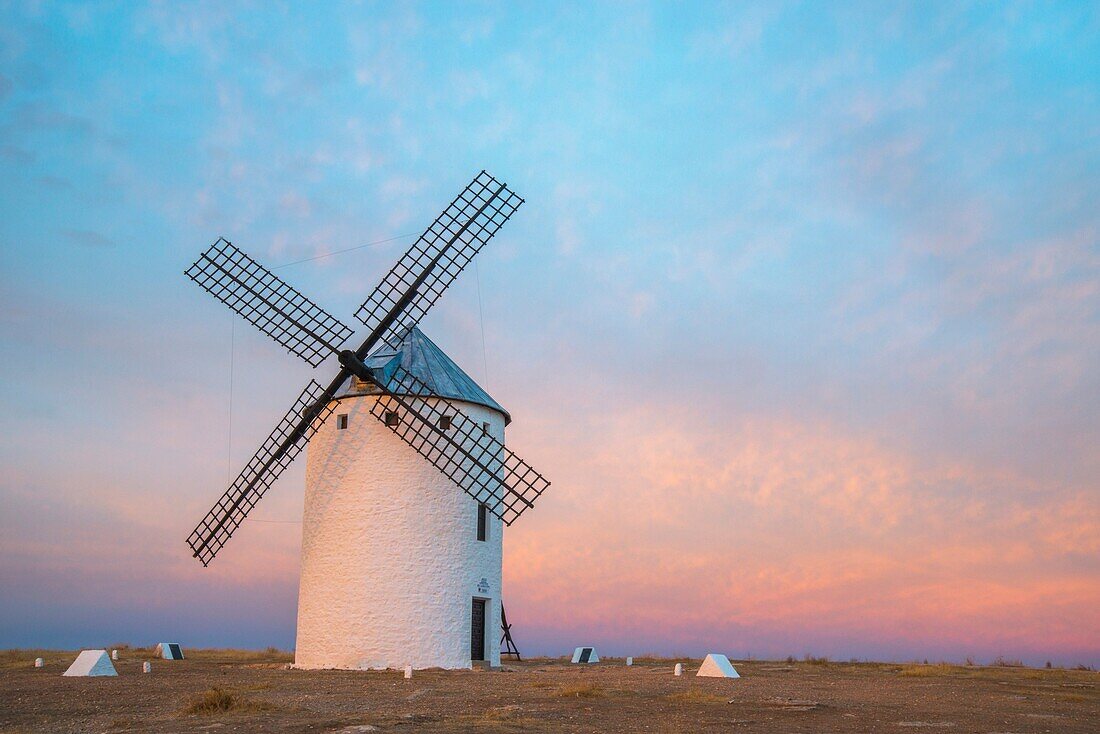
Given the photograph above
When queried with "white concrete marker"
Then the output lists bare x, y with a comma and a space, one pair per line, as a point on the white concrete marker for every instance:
39, 662
678, 670
146, 667
717, 666
585, 655
114, 654
91, 662
408, 671
629, 661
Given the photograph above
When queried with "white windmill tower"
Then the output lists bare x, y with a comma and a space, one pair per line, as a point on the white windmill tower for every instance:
398, 567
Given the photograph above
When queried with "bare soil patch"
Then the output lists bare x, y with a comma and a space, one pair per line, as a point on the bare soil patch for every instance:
225, 691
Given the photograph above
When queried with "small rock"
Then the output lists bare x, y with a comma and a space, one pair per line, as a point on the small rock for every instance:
793, 704
416, 694
929, 724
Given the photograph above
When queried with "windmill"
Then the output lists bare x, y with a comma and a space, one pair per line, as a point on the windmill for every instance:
398, 567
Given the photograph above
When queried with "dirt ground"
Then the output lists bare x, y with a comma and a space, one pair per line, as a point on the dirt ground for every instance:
258, 693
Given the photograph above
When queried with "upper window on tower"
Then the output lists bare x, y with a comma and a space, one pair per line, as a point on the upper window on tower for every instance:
482, 521
342, 421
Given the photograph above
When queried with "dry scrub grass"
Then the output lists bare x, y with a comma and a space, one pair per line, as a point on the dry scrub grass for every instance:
270, 655
503, 718
926, 671
25, 658
650, 658
1001, 662
218, 701
1073, 697
1002, 673
696, 696
582, 690
501, 713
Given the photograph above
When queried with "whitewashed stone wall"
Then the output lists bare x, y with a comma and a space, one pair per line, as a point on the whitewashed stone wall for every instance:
390, 557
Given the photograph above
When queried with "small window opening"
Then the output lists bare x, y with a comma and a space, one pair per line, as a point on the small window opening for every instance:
445, 422
342, 421
482, 521
391, 419
484, 427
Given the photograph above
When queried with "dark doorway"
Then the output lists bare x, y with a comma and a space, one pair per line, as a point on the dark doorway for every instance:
586, 654
477, 631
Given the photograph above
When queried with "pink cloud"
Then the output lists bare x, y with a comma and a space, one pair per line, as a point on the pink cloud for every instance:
760, 534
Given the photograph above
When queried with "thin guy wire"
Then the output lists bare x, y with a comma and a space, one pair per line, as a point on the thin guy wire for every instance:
481, 316
229, 437
341, 252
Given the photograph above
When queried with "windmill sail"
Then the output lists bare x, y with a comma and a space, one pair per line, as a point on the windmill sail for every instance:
268, 302
283, 445
423, 273
434, 427
479, 464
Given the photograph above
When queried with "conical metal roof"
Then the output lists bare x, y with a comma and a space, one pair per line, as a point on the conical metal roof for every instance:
420, 356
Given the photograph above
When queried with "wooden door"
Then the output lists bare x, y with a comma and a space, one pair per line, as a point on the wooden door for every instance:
477, 631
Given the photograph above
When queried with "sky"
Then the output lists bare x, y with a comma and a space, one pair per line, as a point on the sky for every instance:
801, 315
